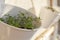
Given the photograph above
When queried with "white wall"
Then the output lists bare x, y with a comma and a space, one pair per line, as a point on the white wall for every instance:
39, 4
26, 4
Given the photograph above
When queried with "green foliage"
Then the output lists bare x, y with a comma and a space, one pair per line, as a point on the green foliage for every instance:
22, 21
1, 19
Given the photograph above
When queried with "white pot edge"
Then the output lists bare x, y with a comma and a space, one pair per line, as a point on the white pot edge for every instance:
18, 28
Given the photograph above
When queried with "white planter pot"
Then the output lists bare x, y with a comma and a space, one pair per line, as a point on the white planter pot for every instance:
8, 32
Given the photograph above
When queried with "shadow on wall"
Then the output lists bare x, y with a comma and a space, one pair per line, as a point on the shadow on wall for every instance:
13, 10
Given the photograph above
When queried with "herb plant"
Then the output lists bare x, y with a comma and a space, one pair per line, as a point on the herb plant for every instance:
22, 21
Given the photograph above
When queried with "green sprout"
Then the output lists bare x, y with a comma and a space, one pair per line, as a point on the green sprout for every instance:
22, 21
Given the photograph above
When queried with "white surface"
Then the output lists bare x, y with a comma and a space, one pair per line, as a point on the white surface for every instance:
38, 4
8, 32
47, 34
41, 30
1, 6
26, 4
48, 18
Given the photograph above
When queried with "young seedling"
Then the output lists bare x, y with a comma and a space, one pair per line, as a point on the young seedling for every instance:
22, 21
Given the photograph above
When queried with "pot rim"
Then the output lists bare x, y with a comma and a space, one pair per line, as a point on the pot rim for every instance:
19, 28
